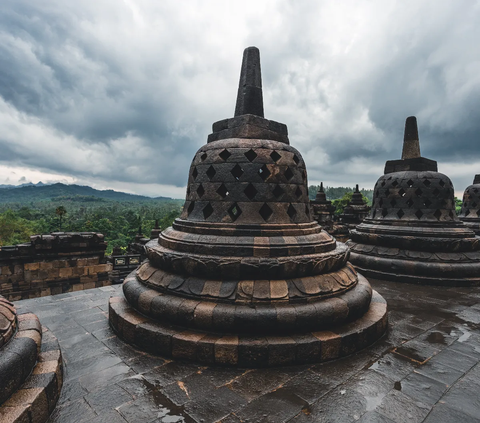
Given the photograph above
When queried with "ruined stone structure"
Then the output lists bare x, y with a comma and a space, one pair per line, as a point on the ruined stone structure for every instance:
412, 233
53, 264
30, 367
355, 211
470, 212
245, 276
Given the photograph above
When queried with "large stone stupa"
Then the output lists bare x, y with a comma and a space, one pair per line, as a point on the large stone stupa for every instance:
245, 276
412, 233
470, 212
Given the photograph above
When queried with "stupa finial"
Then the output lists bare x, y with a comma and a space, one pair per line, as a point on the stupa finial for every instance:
321, 187
411, 143
356, 188
250, 97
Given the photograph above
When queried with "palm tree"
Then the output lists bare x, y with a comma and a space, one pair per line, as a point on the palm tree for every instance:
60, 211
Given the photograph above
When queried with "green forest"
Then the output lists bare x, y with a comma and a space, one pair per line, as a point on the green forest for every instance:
119, 216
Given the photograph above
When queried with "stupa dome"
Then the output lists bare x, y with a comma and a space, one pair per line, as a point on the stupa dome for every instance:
470, 212
8, 322
412, 233
246, 259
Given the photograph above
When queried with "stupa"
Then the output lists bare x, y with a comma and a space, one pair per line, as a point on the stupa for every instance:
355, 211
322, 208
470, 212
412, 233
30, 370
245, 276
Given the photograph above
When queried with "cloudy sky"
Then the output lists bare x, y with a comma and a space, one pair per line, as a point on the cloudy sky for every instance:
120, 94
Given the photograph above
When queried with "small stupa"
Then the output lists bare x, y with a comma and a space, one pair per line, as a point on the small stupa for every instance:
470, 212
355, 211
245, 276
412, 233
322, 208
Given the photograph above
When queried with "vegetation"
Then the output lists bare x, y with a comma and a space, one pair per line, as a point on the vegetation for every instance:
34, 210
341, 203
337, 193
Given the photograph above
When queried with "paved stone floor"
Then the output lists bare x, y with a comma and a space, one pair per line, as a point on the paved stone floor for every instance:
426, 369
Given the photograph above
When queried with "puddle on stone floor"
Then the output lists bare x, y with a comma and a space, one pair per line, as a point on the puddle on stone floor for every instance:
397, 385
465, 336
436, 338
374, 401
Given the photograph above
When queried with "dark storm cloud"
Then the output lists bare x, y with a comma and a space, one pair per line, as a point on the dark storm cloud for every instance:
127, 91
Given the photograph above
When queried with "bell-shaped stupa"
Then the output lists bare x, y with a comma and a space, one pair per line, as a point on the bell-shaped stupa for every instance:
245, 276
355, 211
470, 212
412, 233
323, 209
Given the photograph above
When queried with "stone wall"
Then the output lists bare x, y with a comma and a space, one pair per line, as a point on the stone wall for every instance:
53, 264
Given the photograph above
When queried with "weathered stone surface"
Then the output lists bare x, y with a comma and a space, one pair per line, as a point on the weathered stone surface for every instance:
412, 233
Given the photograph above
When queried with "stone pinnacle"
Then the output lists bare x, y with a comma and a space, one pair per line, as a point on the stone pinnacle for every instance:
411, 143
321, 187
249, 97
356, 188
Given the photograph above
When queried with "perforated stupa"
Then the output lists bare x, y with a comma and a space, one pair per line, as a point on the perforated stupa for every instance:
470, 212
412, 233
245, 276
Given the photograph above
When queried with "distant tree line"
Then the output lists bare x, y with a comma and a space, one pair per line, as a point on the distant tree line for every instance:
336, 193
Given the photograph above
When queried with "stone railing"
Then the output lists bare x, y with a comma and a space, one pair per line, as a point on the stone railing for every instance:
53, 264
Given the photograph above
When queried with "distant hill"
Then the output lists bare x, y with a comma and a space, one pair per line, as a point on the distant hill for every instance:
35, 193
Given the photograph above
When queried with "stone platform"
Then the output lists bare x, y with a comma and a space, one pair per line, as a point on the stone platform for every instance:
426, 369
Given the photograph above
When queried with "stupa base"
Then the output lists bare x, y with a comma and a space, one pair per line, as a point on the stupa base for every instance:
37, 396
446, 272
247, 351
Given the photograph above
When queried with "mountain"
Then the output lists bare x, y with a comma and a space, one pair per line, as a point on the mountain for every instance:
63, 192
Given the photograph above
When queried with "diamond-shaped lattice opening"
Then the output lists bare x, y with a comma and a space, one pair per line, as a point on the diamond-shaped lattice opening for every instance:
426, 182
478, 213
288, 174
203, 157
402, 192
419, 214
441, 183
400, 213
393, 202
224, 154
278, 191
296, 159
265, 211
418, 192
437, 214
291, 211
377, 193
250, 155
264, 172
435, 192
474, 204
275, 156
234, 211
188, 190
467, 212
211, 172
237, 172
409, 202
207, 211
195, 172
443, 203
222, 191
410, 183
427, 203
200, 191
298, 192
191, 206
307, 210
383, 183
475, 190
387, 192
384, 212
250, 191
394, 183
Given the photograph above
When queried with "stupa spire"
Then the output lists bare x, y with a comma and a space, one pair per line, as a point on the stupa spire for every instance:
411, 143
250, 97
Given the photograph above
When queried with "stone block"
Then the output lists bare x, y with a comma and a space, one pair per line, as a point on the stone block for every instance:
65, 272
32, 266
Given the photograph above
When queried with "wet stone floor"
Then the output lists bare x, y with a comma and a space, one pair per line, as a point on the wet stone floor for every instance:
425, 370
